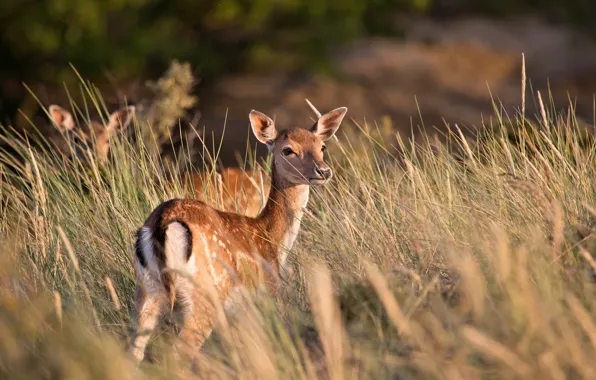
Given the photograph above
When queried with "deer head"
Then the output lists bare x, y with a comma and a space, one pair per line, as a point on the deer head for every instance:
298, 154
94, 136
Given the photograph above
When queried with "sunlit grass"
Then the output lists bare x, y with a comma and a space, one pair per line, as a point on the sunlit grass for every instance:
418, 264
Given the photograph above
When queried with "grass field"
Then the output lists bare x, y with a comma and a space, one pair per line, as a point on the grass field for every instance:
417, 265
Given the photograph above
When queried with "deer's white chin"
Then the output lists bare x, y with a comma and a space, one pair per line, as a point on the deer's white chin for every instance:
317, 181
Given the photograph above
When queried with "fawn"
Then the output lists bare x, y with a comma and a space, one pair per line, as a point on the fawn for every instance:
187, 236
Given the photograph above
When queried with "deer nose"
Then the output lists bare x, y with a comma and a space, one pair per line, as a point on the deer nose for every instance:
324, 171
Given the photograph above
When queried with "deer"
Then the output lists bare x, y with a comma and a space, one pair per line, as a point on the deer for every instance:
65, 139
185, 241
237, 190
74, 139
69, 139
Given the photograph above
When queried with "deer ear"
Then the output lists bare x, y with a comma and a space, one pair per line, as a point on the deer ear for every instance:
61, 118
263, 128
328, 124
120, 119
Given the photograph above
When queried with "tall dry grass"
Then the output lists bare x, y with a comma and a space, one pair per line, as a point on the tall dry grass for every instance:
422, 264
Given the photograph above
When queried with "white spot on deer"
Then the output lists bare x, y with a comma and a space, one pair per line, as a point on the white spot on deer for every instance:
233, 302
209, 256
243, 257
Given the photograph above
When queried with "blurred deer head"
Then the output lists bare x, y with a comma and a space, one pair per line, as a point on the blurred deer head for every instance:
79, 140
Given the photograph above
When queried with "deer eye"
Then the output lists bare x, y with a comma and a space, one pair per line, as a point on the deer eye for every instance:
323, 148
287, 152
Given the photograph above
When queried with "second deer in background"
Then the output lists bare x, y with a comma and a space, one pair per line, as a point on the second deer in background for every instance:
77, 140
236, 189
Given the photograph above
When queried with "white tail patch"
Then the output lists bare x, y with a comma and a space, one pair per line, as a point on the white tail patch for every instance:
146, 244
176, 248
149, 276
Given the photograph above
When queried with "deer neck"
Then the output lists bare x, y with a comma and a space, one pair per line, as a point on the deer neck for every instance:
282, 214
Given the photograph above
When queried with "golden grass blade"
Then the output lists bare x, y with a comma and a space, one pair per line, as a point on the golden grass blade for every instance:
58, 307
113, 293
328, 320
69, 249
584, 319
495, 350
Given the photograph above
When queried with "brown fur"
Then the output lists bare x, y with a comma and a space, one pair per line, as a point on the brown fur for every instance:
224, 245
261, 234
238, 190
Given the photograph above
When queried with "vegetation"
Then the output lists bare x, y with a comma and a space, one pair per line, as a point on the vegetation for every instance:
117, 43
417, 266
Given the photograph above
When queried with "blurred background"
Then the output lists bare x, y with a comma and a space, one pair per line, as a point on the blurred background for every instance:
413, 62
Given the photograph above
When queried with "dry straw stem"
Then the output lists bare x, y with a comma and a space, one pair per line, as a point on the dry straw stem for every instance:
466, 146
573, 342
113, 293
590, 209
405, 327
68, 247
473, 280
328, 319
495, 350
250, 338
558, 224
543, 111
41, 193
535, 192
563, 160
403, 212
588, 257
549, 364
58, 306
504, 260
524, 291
583, 317
537, 153
523, 88
509, 156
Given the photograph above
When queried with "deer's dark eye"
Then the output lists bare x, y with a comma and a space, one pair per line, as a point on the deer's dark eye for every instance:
323, 148
287, 152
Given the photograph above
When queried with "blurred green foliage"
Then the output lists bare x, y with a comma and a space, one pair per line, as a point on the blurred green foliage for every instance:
128, 40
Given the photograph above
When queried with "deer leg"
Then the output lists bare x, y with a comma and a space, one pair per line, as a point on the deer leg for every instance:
198, 317
150, 308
